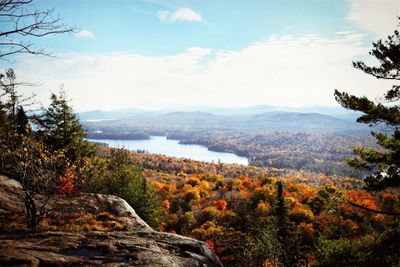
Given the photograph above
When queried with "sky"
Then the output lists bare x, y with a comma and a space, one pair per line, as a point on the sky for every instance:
164, 53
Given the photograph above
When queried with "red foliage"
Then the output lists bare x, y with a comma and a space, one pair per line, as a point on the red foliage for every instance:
211, 244
246, 183
66, 183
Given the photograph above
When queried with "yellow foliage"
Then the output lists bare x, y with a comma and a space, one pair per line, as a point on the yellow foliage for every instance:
193, 181
191, 194
263, 208
211, 212
208, 230
290, 202
301, 213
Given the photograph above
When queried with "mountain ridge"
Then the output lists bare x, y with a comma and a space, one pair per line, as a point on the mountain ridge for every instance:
124, 113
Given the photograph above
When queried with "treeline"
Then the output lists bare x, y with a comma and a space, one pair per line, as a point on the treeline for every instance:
47, 152
316, 152
118, 135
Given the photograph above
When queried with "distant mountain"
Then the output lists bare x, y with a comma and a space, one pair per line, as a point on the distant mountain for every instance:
188, 115
110, 115
335, 111
162, 123
301, 122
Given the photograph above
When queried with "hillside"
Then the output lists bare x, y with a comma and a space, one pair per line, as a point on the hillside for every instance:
336, 111
234, 208
268, 121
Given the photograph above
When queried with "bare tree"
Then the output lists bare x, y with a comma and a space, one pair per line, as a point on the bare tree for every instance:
21, 21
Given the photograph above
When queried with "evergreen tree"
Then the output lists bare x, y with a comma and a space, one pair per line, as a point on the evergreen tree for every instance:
3, 121
11, 101
22, 122
9, 92
385, 163
61, 129
286, 232
124, 179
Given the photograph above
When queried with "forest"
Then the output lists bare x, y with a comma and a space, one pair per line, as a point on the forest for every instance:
297, 150
236, 209
309, 197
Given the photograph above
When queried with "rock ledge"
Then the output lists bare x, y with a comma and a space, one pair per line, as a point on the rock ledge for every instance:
140, 245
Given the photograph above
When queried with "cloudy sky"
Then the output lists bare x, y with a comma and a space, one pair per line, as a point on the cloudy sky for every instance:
164, 53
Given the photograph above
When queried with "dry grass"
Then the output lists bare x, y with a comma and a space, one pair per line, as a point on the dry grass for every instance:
78, 222
12, 226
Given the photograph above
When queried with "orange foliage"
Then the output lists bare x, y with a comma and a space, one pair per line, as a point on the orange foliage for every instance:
220, 204
166, 204
306, 227
362, 198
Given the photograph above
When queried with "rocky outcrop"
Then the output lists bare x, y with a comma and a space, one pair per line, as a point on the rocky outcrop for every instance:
139, 245
139, 248
93, 206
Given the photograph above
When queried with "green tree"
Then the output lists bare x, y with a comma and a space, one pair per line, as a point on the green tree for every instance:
124, 179
12, 102
3, 121
61, 129
22, 122
264, 244
286, 234
385, 163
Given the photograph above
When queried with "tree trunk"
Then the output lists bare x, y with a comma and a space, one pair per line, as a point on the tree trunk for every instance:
30, 207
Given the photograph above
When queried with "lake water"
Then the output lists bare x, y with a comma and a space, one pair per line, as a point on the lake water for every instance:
162, 145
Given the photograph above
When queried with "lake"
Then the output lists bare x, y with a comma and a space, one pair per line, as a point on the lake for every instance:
162, 145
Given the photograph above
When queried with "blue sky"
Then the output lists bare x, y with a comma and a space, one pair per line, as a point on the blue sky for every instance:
135, 26
159, 53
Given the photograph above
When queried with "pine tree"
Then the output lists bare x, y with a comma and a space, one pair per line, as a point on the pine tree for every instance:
11, 101
3, 121
8, 85
385, 163
124, 179
62, 130
286, 232
22, 122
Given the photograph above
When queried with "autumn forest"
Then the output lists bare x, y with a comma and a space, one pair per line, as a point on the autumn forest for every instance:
322, 184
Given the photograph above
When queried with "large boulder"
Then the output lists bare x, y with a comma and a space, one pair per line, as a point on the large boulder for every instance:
99, 211
124, 240
139, 248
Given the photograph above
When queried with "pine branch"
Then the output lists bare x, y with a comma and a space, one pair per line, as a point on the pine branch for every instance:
374, 211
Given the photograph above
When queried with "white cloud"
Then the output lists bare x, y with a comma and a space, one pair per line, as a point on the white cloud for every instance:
376, 16
282, 70
182, 14
84, 34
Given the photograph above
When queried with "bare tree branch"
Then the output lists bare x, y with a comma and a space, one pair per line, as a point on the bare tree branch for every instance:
20, 22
